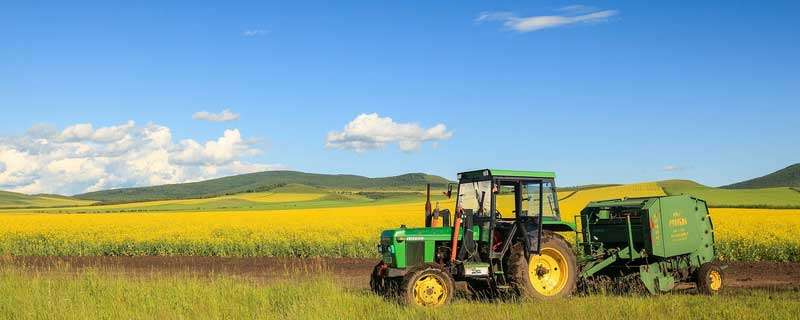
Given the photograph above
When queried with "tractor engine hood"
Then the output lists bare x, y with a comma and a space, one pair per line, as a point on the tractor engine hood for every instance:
418, 234
397, 244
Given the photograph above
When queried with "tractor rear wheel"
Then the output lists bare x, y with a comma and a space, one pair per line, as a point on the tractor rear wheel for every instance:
426, 286
709, 279
550, 275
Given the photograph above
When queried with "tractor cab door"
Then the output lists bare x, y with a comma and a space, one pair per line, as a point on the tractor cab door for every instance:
539, 204
520, 207
474, 204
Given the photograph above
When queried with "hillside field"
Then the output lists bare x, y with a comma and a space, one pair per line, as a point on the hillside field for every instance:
770, 198
18, 200
268, 181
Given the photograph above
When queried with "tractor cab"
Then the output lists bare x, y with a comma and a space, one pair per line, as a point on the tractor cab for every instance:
504, 224
506, 206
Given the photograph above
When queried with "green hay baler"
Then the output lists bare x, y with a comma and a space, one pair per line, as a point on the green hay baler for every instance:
654, 242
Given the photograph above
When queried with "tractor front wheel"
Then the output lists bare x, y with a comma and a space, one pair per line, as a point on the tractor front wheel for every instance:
377, 281
551, 274
426, 286
709, 279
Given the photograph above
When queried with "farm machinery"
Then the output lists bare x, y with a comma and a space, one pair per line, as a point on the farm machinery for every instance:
507, 237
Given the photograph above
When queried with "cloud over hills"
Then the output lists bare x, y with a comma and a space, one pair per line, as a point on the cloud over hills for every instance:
82, 158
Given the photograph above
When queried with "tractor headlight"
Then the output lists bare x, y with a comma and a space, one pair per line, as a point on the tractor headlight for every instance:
385, 249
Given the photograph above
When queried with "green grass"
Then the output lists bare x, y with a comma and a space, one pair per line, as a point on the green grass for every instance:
299, 188
26, 294
770, 198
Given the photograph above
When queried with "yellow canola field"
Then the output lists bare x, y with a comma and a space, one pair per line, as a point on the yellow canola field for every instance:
742, 234
348, 231
335, 223
757, 234
572, 205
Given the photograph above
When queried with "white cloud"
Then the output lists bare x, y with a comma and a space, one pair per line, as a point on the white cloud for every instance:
254, 32
672, 168
577, 9
371, 131
216, 152
82, 158
224, 116
85, 131
571, 15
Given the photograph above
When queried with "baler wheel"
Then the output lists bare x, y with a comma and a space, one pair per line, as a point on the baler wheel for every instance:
710, 279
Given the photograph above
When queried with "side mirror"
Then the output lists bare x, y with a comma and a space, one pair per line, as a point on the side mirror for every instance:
449, 192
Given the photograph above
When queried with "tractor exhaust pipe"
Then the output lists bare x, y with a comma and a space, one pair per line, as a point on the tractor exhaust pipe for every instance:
428, 213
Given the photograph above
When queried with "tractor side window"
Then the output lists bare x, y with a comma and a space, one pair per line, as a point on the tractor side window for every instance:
533, 199
470, 193
530, 202
550, 199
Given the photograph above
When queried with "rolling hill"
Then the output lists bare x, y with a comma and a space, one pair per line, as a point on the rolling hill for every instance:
786, 177
265, 181
777, 198
19, 200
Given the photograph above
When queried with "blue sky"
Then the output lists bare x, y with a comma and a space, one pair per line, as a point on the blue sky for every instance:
599, 92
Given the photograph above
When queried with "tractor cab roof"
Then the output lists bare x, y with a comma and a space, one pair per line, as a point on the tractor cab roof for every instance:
486, 173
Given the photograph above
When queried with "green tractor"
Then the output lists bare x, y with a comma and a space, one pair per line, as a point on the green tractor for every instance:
506, 239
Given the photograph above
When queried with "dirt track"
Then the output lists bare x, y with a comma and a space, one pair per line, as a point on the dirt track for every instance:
352, 272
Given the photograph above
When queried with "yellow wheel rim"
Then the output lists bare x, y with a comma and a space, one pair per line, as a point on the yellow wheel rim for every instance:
429, 291
714, 280
548, 272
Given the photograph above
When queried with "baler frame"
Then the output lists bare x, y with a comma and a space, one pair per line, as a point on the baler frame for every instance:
655, 273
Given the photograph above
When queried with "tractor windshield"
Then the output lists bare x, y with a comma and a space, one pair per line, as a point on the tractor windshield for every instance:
470, 194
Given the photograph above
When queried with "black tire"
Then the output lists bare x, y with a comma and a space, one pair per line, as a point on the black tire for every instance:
415, 291
520, 278
377, 282
710, 279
